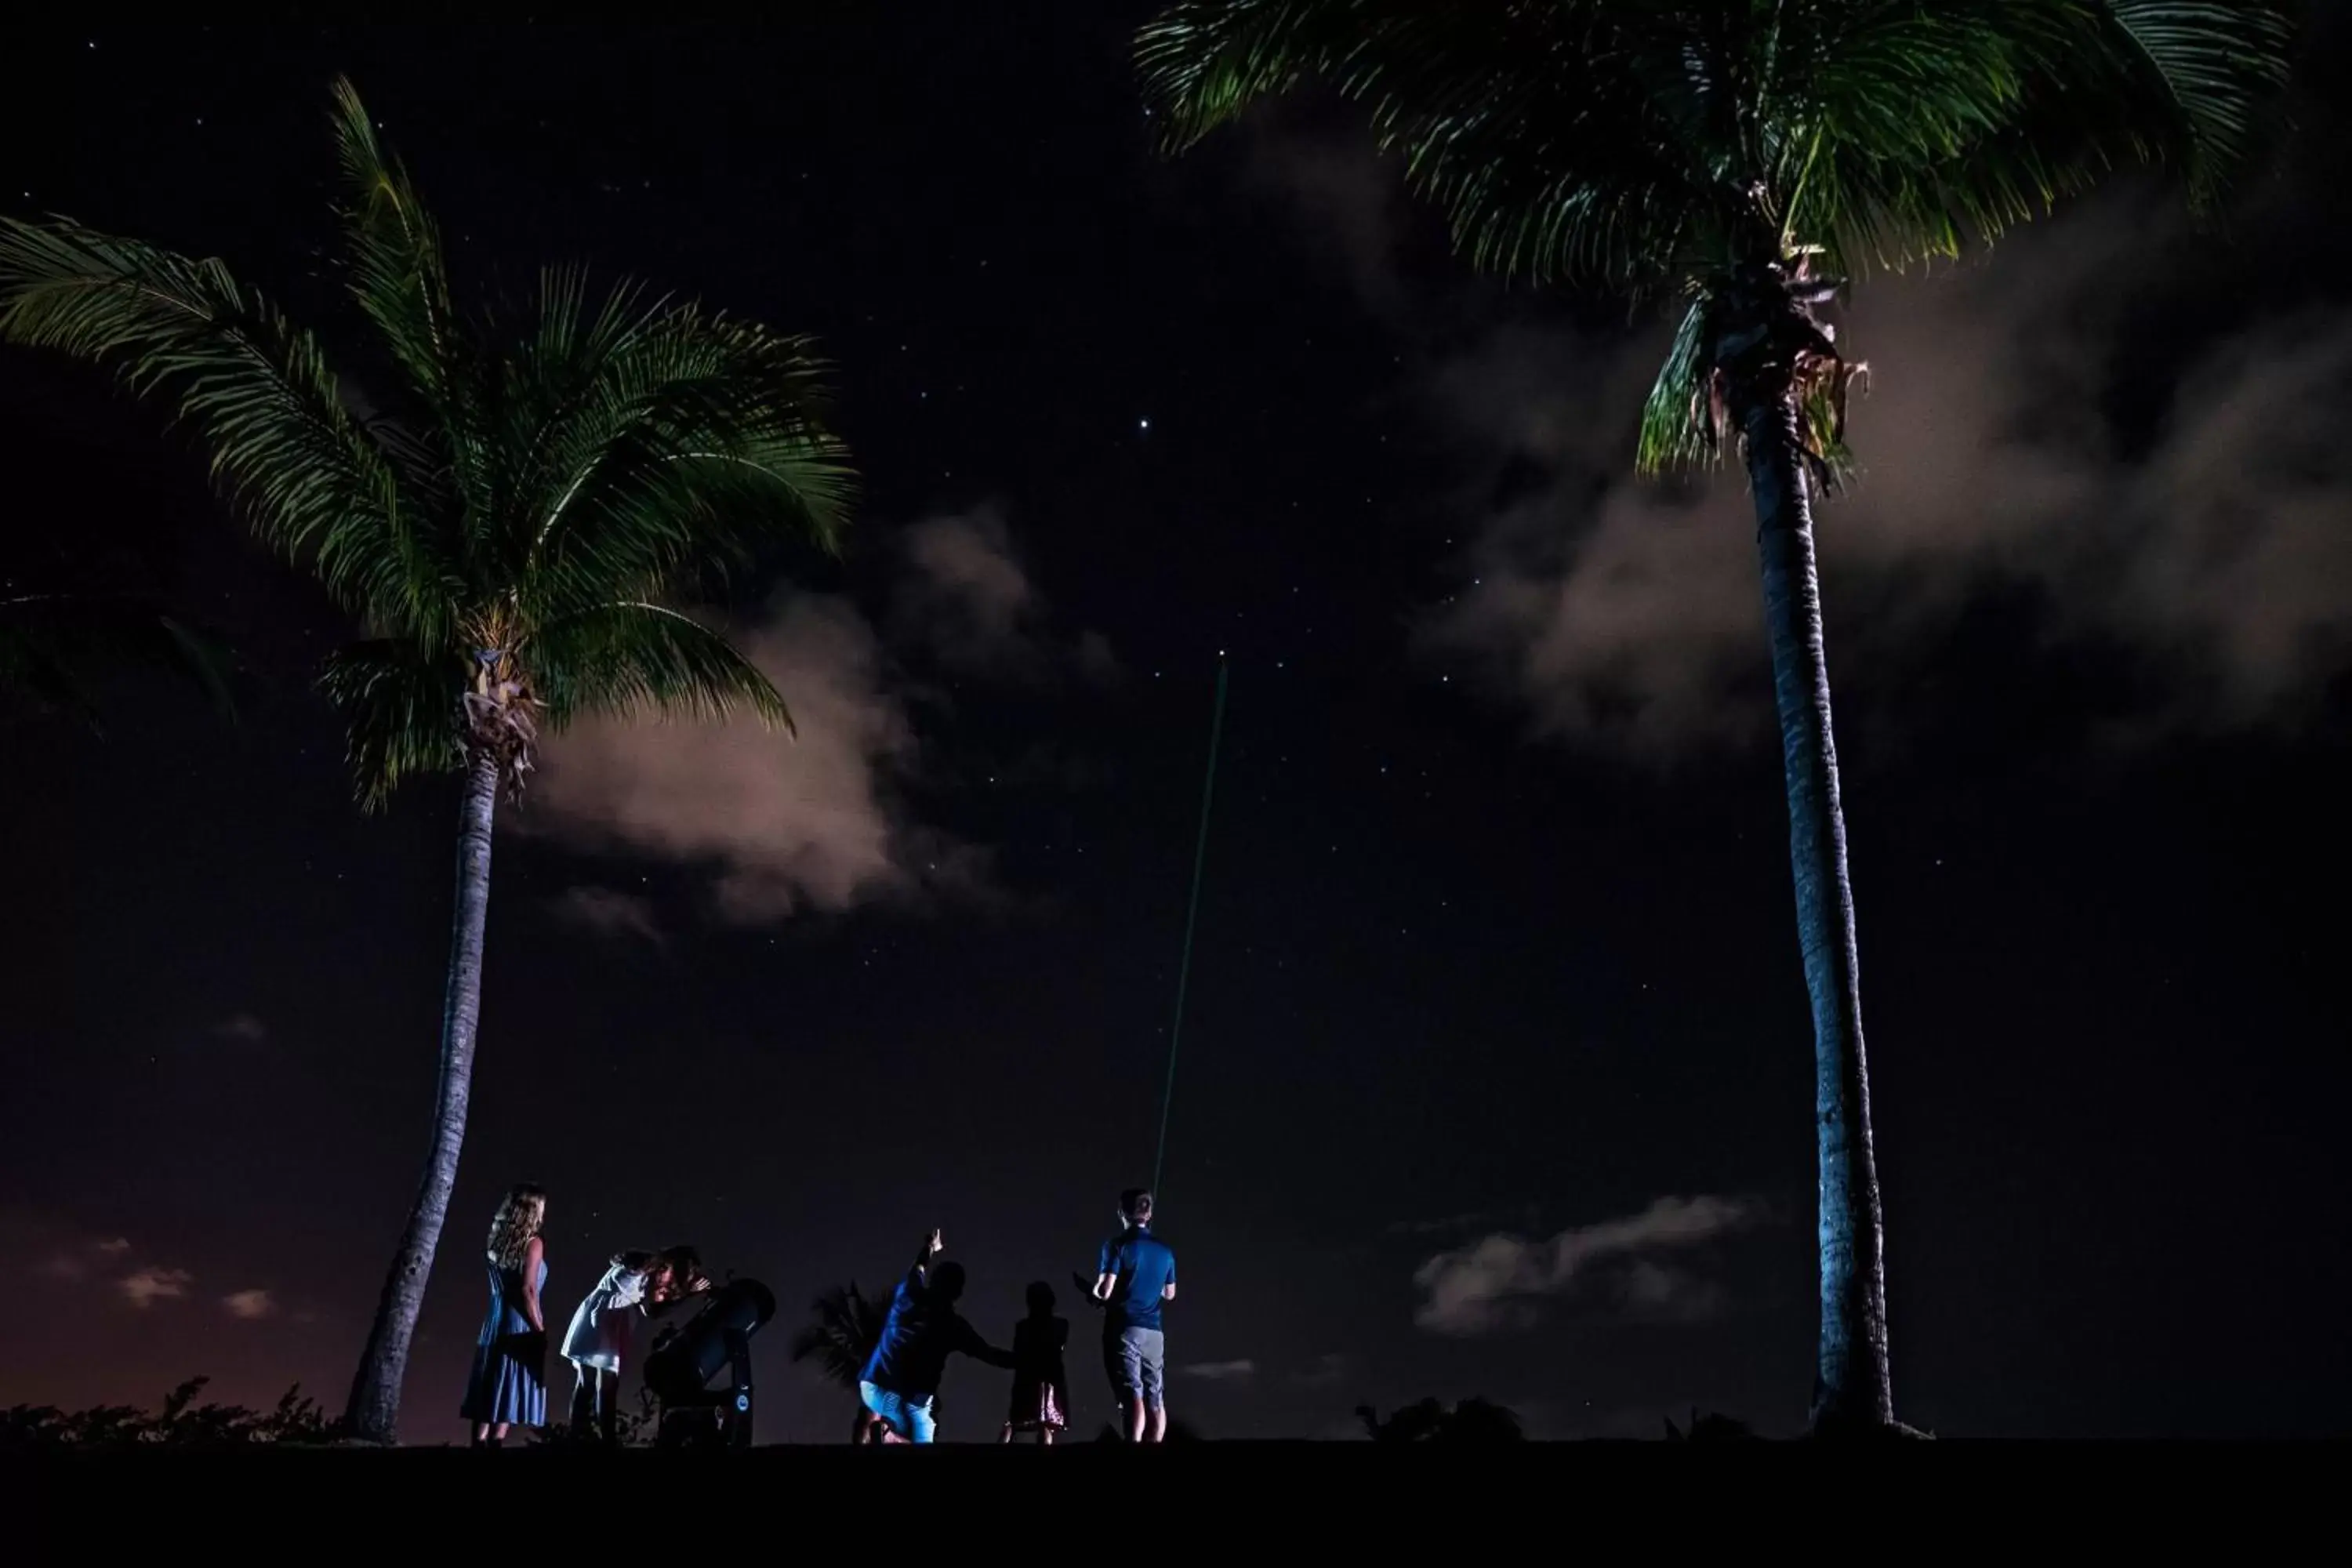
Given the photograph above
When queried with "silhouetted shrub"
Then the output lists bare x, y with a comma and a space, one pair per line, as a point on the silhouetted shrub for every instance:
632, 1428
1429, 1421
1712, 1427
182, 1423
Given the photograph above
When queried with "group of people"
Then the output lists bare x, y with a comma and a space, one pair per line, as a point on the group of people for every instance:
507, 1385
1134, 1279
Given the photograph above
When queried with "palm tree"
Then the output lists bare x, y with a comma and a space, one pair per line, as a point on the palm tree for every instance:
843, 1328
1737, 159
507, 511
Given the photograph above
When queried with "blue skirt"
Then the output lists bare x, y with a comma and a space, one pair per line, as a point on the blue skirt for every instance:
510, 1380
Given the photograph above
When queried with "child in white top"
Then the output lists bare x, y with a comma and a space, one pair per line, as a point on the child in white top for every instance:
598, 1338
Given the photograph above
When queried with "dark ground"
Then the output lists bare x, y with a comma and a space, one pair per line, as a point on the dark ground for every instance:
1232, 1497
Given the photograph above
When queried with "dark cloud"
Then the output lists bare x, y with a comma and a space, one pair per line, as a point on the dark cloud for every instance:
965, 597
1095, 661
63, 1254
1496, 1282
1626, 613
1350, 197
966, 602
1653, 1291
610, 912
1219, 1371
143, 1288
785, 824
822, 821
64, 1257
250, 1306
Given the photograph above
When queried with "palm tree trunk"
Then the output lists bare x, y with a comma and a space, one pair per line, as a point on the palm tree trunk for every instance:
374, 1413
1851, 1386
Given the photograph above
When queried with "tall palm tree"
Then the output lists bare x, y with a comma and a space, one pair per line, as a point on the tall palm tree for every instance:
1737, 159
843, 1327
507, 511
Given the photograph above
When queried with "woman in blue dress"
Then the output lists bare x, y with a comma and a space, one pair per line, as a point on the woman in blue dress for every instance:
508, 1385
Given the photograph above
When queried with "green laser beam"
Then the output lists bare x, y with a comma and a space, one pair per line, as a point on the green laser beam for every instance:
1191, 916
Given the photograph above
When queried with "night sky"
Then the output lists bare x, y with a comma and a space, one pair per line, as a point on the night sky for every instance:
1496, 1076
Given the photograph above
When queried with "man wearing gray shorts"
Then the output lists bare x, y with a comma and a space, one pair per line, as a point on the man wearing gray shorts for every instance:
1134, 1277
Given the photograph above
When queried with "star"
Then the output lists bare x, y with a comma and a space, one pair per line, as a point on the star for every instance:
1144, 425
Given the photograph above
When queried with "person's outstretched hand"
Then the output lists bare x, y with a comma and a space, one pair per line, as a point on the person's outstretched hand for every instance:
937, 1244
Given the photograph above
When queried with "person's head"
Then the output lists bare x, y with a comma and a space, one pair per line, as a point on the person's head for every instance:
947, 1281
1041, 1299
634, 1262
1135, 1208
675, 1271
520, 1213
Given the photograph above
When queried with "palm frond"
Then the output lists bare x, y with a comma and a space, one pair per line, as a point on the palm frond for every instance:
36, 673
1673, 426
2197, 83
843, 1327
397, 272
400, 706
641, 658
53, 645
1866, 101
254, 389
695, 439
1576, 147
2030, 101
1561, 140
549, 380
1634, 144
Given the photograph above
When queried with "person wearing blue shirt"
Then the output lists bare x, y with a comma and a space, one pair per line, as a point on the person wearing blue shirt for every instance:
1135, 1275
901, 1378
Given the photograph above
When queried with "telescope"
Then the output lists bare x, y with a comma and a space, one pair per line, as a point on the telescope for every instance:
689, 1357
